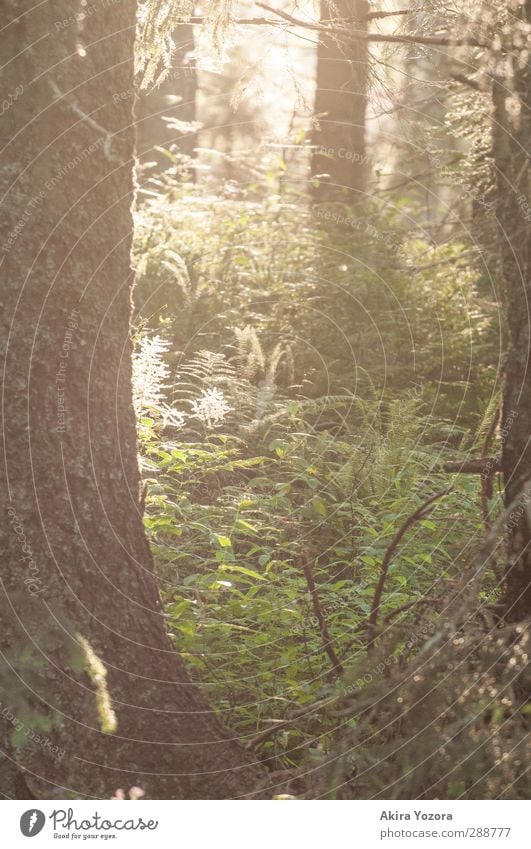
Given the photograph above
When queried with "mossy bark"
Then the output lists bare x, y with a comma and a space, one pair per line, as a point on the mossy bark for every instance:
76, 565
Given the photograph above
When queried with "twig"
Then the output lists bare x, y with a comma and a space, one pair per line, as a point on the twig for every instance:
419, 513
403, 607
344, 32
364, 625
271, 22
198, 20
323, 628
253, 22
347, 32
376, 16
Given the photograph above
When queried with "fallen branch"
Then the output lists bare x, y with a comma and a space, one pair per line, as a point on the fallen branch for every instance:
477, 466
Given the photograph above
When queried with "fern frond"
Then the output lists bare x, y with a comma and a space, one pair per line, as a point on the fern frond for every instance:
207, 368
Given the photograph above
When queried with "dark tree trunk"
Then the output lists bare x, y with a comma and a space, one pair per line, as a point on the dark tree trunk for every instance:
155, 106
78, 586
340, 106
511, 138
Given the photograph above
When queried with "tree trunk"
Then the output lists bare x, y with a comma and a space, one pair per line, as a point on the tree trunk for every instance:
79, 594
154, 106
339, 161
511, 135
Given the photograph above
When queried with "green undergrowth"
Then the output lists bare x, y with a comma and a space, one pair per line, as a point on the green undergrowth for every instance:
314, 369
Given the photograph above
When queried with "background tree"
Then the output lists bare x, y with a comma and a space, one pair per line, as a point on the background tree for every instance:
340, 104
84, 642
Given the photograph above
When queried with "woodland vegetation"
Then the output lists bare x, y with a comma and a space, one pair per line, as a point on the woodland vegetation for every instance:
266, 399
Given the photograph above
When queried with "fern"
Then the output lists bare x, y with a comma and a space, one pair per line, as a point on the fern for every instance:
208, 368
247, 379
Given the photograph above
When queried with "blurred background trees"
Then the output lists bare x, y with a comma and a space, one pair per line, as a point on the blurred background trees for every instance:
340, 104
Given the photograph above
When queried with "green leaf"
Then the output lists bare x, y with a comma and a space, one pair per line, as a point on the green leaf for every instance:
319, 506
225, 555
190, 580
223, 541
242, 570
177, 609
368, 560
247, 503
241, 524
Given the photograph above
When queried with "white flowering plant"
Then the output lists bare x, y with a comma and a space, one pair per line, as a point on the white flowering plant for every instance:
151, 388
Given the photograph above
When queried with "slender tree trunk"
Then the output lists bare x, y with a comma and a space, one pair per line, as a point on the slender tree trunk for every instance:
79, 598
340, 106
154, 107
511, 135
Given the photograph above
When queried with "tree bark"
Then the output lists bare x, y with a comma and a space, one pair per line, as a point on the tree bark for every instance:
79, 597
511, 135
338, 165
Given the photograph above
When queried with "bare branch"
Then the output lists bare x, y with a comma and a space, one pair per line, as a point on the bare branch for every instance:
348, 33
418, 602
419, 513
